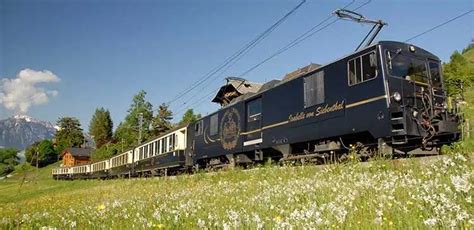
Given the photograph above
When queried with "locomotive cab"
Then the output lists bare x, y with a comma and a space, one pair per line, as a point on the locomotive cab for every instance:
418, 103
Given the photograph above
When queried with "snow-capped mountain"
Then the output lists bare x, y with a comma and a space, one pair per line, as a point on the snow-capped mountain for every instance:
20, 131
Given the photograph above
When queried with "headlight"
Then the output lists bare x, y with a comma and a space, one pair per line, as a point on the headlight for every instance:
397, 96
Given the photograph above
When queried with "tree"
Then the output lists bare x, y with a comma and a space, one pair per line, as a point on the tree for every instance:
100, 127
106, 151
469, 47
41, 153
458, 74
162, 121
8, 159
189, 117
127, 131
69, 133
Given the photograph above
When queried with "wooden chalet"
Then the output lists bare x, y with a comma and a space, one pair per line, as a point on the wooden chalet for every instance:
76, 156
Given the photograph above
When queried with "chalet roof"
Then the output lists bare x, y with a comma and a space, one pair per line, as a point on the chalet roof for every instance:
78, 152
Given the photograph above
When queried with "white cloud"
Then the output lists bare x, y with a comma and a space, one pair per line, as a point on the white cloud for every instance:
20, 93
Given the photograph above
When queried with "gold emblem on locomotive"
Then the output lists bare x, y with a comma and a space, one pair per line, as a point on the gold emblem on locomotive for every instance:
230, 129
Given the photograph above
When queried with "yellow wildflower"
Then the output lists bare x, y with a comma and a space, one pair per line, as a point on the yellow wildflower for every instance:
278, 218
101, 207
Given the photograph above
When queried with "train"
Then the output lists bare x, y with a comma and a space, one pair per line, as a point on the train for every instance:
388, 97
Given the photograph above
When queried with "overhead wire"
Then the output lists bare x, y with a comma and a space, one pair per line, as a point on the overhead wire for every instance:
312, 31
440, 25
229, 61
302, 37
297, 40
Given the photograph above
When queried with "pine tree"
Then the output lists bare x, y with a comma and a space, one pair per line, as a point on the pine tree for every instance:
162, 120
101, 126
189, 117
69, 134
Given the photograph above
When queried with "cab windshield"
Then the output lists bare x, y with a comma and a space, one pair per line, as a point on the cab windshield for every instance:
412, 68
407, 67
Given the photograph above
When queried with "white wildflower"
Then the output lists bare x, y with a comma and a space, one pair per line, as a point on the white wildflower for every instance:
430, 222
461, 183
201, 223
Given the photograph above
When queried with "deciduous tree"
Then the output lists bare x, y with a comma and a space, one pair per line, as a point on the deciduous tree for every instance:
41, 153
8, 159
189, 117
458, 75
127, 131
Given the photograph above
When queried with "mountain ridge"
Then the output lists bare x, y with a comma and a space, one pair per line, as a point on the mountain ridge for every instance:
20, 131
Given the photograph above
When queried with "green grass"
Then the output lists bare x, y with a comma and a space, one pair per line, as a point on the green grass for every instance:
383, 194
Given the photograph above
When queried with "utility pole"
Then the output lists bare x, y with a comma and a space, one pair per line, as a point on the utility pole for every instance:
37, 154
140, 125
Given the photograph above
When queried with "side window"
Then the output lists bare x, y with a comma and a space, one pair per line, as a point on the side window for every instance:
162, 144
254, 118
314, 89
362, 68
198, 128
254, 110
171, 147
214, 127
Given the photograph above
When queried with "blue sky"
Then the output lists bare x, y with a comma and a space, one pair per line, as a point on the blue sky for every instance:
105, 51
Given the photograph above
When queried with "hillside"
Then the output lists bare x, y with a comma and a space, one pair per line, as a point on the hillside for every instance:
390, 194
469, 55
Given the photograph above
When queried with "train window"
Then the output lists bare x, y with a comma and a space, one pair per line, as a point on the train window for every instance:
254, 110
369, 69
214, 127
171, 147
198, 128
254, 118
407, 67
175, 141
362, 68
162, 144
435, 76
314, 89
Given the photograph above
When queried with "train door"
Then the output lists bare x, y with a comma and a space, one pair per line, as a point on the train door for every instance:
253, 122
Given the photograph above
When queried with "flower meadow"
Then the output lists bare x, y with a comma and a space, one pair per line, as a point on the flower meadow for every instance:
421, 193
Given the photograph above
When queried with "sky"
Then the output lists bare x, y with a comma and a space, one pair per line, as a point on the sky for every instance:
66, 58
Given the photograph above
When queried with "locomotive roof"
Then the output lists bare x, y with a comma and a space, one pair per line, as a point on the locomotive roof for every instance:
310, 69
